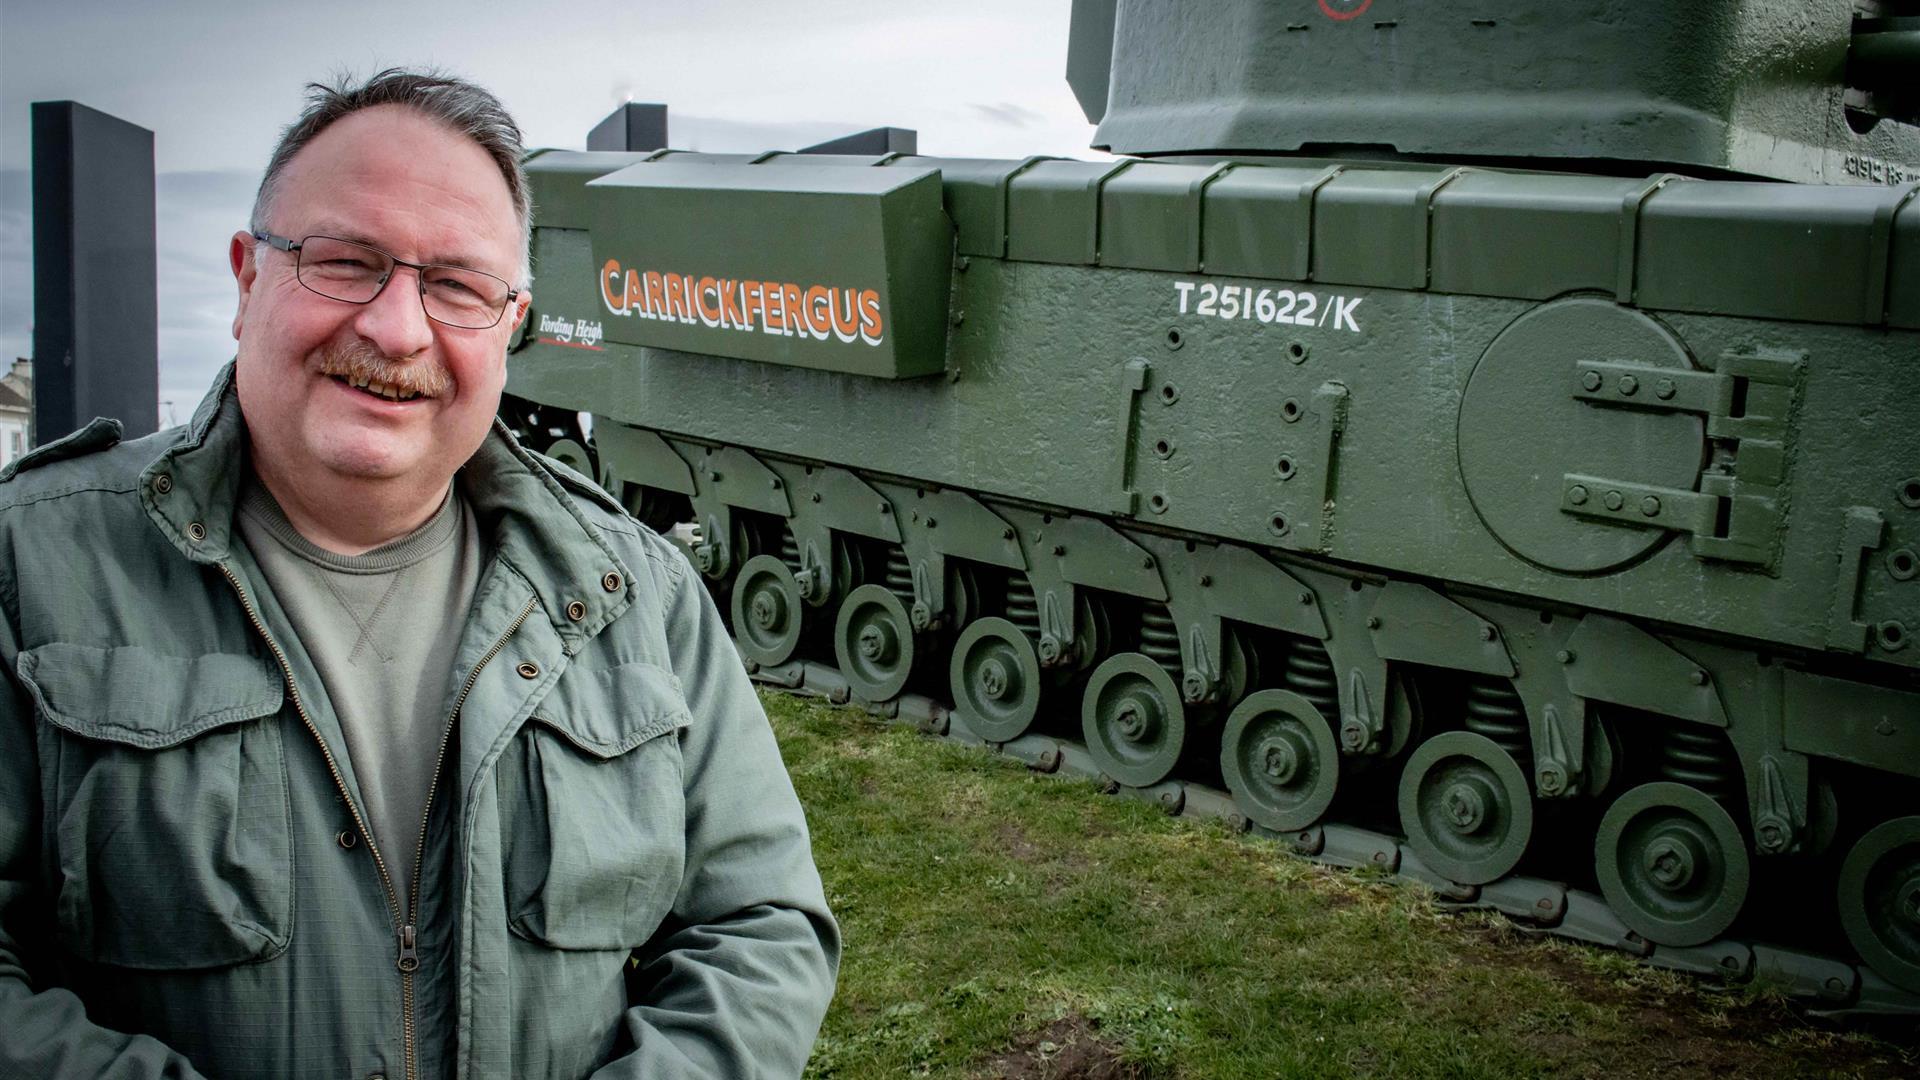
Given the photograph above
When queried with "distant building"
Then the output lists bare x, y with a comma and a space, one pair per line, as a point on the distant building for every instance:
16, 411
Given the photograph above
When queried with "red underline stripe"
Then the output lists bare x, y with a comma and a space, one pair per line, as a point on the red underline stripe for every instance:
569, 344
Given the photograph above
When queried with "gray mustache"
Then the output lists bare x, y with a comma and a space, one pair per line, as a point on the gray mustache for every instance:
362, 361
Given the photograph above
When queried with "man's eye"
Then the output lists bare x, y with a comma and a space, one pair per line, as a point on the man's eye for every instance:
348, 264
454, 288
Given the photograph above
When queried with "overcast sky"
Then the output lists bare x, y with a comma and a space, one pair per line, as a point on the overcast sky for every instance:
216, 80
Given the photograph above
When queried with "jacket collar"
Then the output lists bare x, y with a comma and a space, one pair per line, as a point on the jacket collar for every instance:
191, 489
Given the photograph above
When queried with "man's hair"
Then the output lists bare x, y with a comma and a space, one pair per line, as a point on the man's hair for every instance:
465, 108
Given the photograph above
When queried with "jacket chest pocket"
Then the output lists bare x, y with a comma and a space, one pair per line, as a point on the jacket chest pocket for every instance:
164, 786
594, 811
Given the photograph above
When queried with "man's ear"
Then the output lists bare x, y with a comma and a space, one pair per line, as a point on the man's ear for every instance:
245, 271
521, 304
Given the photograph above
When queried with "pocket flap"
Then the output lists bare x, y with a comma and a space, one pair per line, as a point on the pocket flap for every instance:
609, 711
136, 696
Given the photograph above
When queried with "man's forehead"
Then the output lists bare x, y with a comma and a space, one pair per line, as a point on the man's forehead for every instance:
403, 182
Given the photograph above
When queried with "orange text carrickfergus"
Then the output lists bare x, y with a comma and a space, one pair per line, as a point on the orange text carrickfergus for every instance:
774, 307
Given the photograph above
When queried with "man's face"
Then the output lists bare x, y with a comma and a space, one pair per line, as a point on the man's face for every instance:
396, 180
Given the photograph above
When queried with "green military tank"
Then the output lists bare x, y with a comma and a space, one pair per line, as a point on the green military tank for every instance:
1475, 440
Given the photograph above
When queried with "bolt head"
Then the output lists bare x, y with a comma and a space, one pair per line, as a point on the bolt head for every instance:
1771, 837
1629, 385
1353, 736
703, 557
1650, 506
1552, 780
1614, 500
1279, 761
1666, 869
1663, 389
873, 642
1193, 687
806, 583
1465, 810
1577, 494
994, 679
1049, 649
1487, 632
1565, 656
765, 610
1590, 380
921, 615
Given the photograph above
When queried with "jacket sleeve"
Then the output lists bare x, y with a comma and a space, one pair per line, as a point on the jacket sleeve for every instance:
737, 979
44, 1030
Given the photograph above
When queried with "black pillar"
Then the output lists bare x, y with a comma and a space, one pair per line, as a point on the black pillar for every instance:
96, 349
633, 126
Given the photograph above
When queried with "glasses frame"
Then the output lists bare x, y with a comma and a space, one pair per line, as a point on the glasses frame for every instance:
292, 247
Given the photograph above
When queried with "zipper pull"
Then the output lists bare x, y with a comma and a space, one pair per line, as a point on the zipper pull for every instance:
409, 956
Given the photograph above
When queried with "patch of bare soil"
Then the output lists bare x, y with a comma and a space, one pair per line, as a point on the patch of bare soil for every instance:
1014, 841
1067, 1049
1691, 1033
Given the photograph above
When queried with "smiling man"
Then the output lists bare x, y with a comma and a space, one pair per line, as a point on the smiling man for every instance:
347, 738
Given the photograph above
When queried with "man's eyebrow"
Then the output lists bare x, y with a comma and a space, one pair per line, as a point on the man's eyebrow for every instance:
340, 231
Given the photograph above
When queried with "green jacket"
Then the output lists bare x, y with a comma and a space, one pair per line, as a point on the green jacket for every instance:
185, 886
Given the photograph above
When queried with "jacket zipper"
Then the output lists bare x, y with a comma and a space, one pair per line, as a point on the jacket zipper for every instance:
293, 690
404, 930
409, 957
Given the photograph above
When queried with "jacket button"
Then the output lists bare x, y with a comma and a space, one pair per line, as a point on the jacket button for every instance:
528, 669
611, 582
576, 611
196, 532
163, 483
347, 838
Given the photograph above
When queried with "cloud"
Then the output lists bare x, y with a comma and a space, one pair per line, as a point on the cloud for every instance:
1008, 114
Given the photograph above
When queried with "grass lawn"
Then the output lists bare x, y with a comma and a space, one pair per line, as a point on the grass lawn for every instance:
1004, 924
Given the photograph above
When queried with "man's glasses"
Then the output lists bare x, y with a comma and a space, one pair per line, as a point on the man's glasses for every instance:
343, 270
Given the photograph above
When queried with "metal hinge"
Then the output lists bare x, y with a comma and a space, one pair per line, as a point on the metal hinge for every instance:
1738, 509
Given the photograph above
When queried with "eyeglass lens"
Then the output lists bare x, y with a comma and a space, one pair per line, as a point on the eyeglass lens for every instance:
344, 270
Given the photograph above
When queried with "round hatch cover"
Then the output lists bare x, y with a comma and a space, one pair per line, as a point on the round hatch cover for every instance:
1522, 430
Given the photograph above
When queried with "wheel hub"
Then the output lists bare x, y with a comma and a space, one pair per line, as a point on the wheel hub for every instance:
766, 610
1910, 900
1466, 806
994, 680
874, 643
1282, 761
1134, 721
1671, 861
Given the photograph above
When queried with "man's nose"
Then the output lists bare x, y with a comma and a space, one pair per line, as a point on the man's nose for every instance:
394, 321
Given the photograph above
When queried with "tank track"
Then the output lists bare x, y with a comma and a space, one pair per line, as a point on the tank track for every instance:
1826, 986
